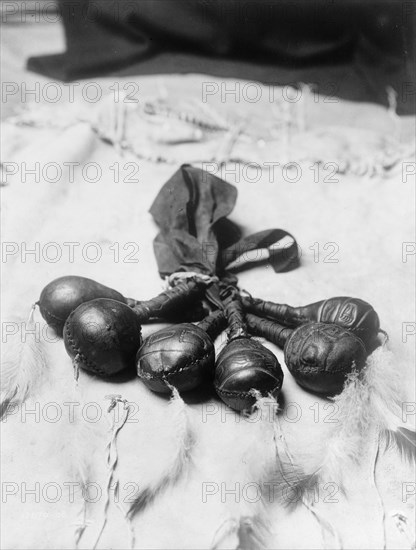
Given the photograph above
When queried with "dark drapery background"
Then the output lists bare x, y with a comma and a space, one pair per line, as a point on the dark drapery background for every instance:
347, 48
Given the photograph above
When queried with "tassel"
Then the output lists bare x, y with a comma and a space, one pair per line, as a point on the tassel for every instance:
112, 461
24, 368
184, 437
392, 111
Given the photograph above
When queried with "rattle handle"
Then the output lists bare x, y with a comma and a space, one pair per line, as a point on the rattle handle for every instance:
275, 333
167, 301
283, 313
131, 302
214, 324
234, 312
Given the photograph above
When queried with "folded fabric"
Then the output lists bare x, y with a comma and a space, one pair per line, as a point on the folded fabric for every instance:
191, 211
274, 41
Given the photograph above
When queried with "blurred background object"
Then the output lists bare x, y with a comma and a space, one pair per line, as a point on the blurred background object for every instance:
347, 49
27, 11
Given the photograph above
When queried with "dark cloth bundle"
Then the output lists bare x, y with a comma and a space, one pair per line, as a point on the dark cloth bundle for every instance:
195, 234
353, 50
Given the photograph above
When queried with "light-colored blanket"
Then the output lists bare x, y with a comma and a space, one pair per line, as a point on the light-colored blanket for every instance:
356, 235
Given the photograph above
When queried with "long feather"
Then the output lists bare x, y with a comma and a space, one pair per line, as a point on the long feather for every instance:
343, 447
330, 535
249, 528
386, 402
383, 380
79, 443
248, 532
227, 528
373, 482
401, 521
290, 477
371, 400
252, 533
185, 438
404, 440
23, 366
284, 470
61, 451
75, 440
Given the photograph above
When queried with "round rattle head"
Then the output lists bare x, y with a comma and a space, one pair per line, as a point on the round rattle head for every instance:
245, 365
103, 336
319, 356
353, 314
65, 294
182, 356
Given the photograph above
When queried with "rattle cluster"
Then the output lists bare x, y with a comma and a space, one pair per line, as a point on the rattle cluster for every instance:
322, 342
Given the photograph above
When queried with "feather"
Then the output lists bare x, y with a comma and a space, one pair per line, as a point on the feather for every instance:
23, 367
184, 436
61, 452
383, 380
370, 403
79, 445
404, 440
252, 533
226, 529
294, 478
285, 472
371, 399
402, 524
250, 528
75, 440
248, 532
343, 447
373, 481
